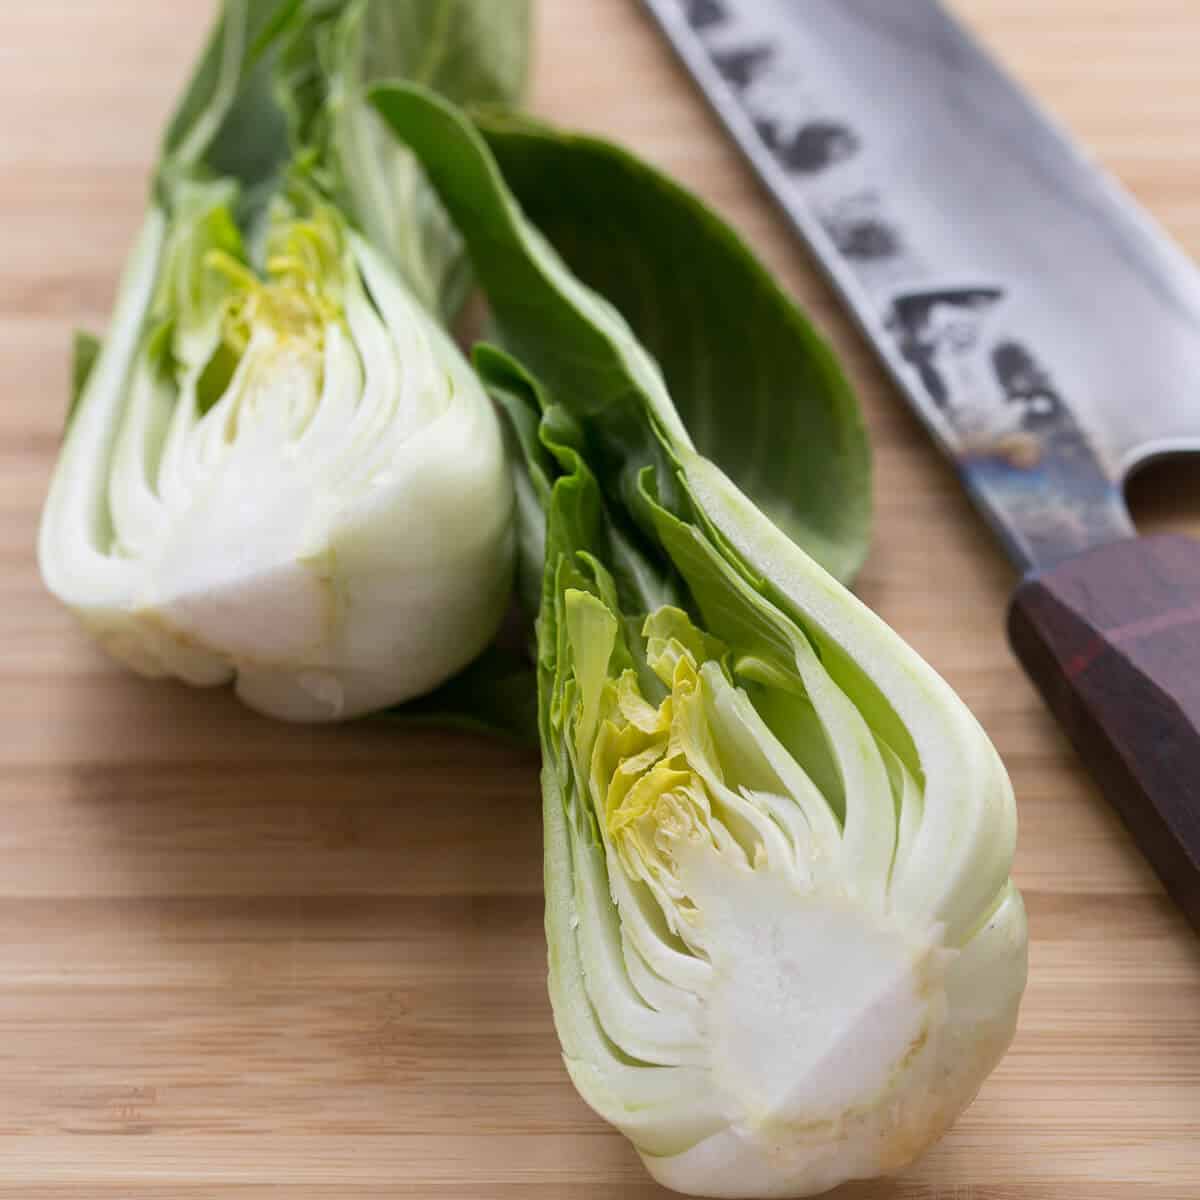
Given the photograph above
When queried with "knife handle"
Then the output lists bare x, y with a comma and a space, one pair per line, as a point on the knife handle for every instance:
1111, 638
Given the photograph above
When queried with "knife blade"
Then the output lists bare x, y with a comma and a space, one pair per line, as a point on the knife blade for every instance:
1044, 329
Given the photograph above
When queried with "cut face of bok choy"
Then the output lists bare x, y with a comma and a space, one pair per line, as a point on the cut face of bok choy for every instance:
785, 952
288, 477
279, 468
784, 947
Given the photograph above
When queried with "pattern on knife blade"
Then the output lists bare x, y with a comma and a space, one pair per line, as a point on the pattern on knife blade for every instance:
986, 392
703, 13
1015, 435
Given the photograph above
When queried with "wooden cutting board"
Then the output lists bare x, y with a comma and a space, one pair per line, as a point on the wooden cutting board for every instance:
248, 961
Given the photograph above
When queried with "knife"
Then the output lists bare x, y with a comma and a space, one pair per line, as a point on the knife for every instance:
1045, 330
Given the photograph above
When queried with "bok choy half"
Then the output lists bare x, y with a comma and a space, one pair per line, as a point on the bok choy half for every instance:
280, 470
784, 947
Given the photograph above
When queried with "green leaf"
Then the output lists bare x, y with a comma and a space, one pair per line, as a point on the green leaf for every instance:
305, 64
566, 335
758, 388
471, 51
85, 351
228, 122
811, 474
516, 391
496, 694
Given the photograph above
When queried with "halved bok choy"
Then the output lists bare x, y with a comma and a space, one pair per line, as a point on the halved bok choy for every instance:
784, 947
289, 479
280, 470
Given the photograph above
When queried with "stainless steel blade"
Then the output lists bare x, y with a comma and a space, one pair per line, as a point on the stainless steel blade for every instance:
1046, 331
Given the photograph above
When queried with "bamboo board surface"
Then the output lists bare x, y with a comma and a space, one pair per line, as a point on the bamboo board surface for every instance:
248, 961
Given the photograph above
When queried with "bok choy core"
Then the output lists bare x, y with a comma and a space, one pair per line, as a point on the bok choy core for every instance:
280, 470
784, 947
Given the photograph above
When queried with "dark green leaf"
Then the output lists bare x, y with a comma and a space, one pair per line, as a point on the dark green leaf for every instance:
496, 694
228, 122
515, 390
758, 388
811, 473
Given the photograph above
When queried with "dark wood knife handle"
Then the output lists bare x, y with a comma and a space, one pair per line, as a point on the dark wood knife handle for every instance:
1112, 640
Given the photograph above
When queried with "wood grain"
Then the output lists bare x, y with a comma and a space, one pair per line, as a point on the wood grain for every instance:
246, 961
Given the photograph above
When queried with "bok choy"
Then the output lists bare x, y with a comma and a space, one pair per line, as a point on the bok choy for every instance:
280, 470
784, 947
